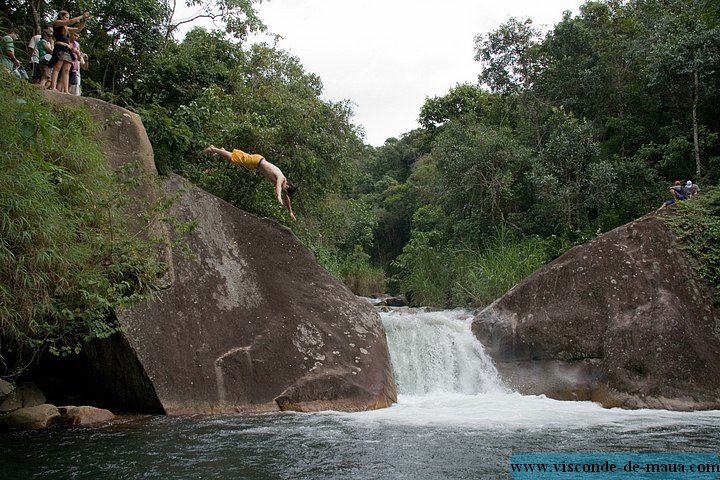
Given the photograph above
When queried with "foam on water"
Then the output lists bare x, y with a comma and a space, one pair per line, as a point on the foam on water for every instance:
445, 378
511, 411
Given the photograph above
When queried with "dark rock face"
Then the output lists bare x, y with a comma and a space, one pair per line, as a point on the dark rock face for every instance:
622, 320
251, 316
247, 321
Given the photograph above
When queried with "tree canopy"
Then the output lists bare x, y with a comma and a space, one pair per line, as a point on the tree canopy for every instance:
565, 134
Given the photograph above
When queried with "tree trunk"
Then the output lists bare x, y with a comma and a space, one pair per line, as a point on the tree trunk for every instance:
36, 17
696, 99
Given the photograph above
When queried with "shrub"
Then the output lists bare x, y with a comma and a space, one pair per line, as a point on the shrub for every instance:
65, 260
425, 270
696, 223
359, 275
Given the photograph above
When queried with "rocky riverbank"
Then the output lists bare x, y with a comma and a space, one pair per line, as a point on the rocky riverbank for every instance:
24, 407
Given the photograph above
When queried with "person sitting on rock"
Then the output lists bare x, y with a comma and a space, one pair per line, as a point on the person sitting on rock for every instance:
7, 50
283, 188
691, 189
677, 192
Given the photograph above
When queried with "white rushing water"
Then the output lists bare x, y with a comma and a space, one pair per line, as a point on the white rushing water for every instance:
445, 378
435, 352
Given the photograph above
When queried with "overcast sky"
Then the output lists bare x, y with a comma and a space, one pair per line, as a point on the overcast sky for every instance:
388, 56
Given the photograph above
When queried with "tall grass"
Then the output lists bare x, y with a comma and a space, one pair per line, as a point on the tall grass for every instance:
487, 275
65, 260
444, 276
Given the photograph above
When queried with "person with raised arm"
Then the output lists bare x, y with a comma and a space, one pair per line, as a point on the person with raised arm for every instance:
63, 54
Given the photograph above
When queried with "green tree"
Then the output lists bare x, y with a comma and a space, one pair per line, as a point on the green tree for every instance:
509, 56
121, 39
394, 206
570, 182
239, 16
464, 100
425, 269
180, 75
511, 63
388, 186
681, 47
481, 170
591, 72
396, 157
572, 74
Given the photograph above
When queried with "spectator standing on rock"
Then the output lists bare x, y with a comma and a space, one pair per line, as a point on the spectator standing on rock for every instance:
77, 64
34, 56
63, 56
45, 49
7, 52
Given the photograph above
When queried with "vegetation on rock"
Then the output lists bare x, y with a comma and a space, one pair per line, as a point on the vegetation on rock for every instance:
696, 223
65, 259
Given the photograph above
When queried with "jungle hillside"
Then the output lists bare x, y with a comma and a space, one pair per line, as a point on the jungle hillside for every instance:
566, 134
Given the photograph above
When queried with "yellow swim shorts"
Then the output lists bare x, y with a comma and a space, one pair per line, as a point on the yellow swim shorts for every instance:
247, 160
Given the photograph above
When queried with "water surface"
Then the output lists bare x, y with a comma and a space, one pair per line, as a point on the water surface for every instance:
454, 420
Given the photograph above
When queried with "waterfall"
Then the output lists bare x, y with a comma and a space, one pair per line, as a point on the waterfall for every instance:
435, 351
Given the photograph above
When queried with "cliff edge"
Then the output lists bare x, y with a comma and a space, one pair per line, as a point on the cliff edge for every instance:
246, 320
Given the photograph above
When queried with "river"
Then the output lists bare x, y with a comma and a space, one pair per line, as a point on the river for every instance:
454, 420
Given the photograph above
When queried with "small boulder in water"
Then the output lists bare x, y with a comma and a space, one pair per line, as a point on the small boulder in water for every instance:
85, 415
39, 416
391, 301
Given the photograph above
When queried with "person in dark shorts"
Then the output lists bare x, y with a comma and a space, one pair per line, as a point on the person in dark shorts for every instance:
63, 55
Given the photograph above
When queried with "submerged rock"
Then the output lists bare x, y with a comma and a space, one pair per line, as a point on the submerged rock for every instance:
84, 415
622, 320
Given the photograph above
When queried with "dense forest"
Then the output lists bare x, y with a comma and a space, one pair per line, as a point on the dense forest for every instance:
566, 134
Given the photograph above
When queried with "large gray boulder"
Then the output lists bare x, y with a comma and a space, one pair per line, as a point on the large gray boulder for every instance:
623, 320
253, 323
27, 394
247, 321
